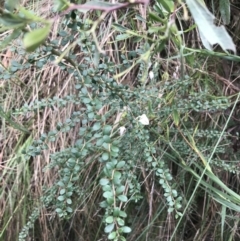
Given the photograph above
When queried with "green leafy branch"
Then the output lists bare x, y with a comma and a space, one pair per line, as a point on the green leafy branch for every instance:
19, 23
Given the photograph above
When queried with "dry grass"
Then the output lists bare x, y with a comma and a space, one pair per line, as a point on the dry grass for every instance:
22, 180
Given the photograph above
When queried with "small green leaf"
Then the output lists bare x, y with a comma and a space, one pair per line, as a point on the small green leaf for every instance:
120, 190
96, 126
69, 194
62, 191
122, 238
107, 130
178, 205
170, 210
109, 219
69, 210
86, 100
107, 188
34, 39
108, 194
116, 212
110, 200
107, 139
104, 181
61, 184
105, 156
122, 214
114, 149
112, 235
161, 181
174, 193
109, 228
58, 210
61, 198
117, 175
126, 229
168, 176
99, 142
123, 198
84, 90
106, 145
120, 222
121, 164
103, 204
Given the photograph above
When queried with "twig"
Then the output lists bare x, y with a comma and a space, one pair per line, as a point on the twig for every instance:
105, 8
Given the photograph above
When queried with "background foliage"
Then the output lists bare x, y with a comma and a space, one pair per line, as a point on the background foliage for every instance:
119, 121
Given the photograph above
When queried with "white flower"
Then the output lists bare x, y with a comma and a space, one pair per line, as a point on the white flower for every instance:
151, 75
122, 130
143, 120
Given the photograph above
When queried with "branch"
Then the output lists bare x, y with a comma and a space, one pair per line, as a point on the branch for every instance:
107, 7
